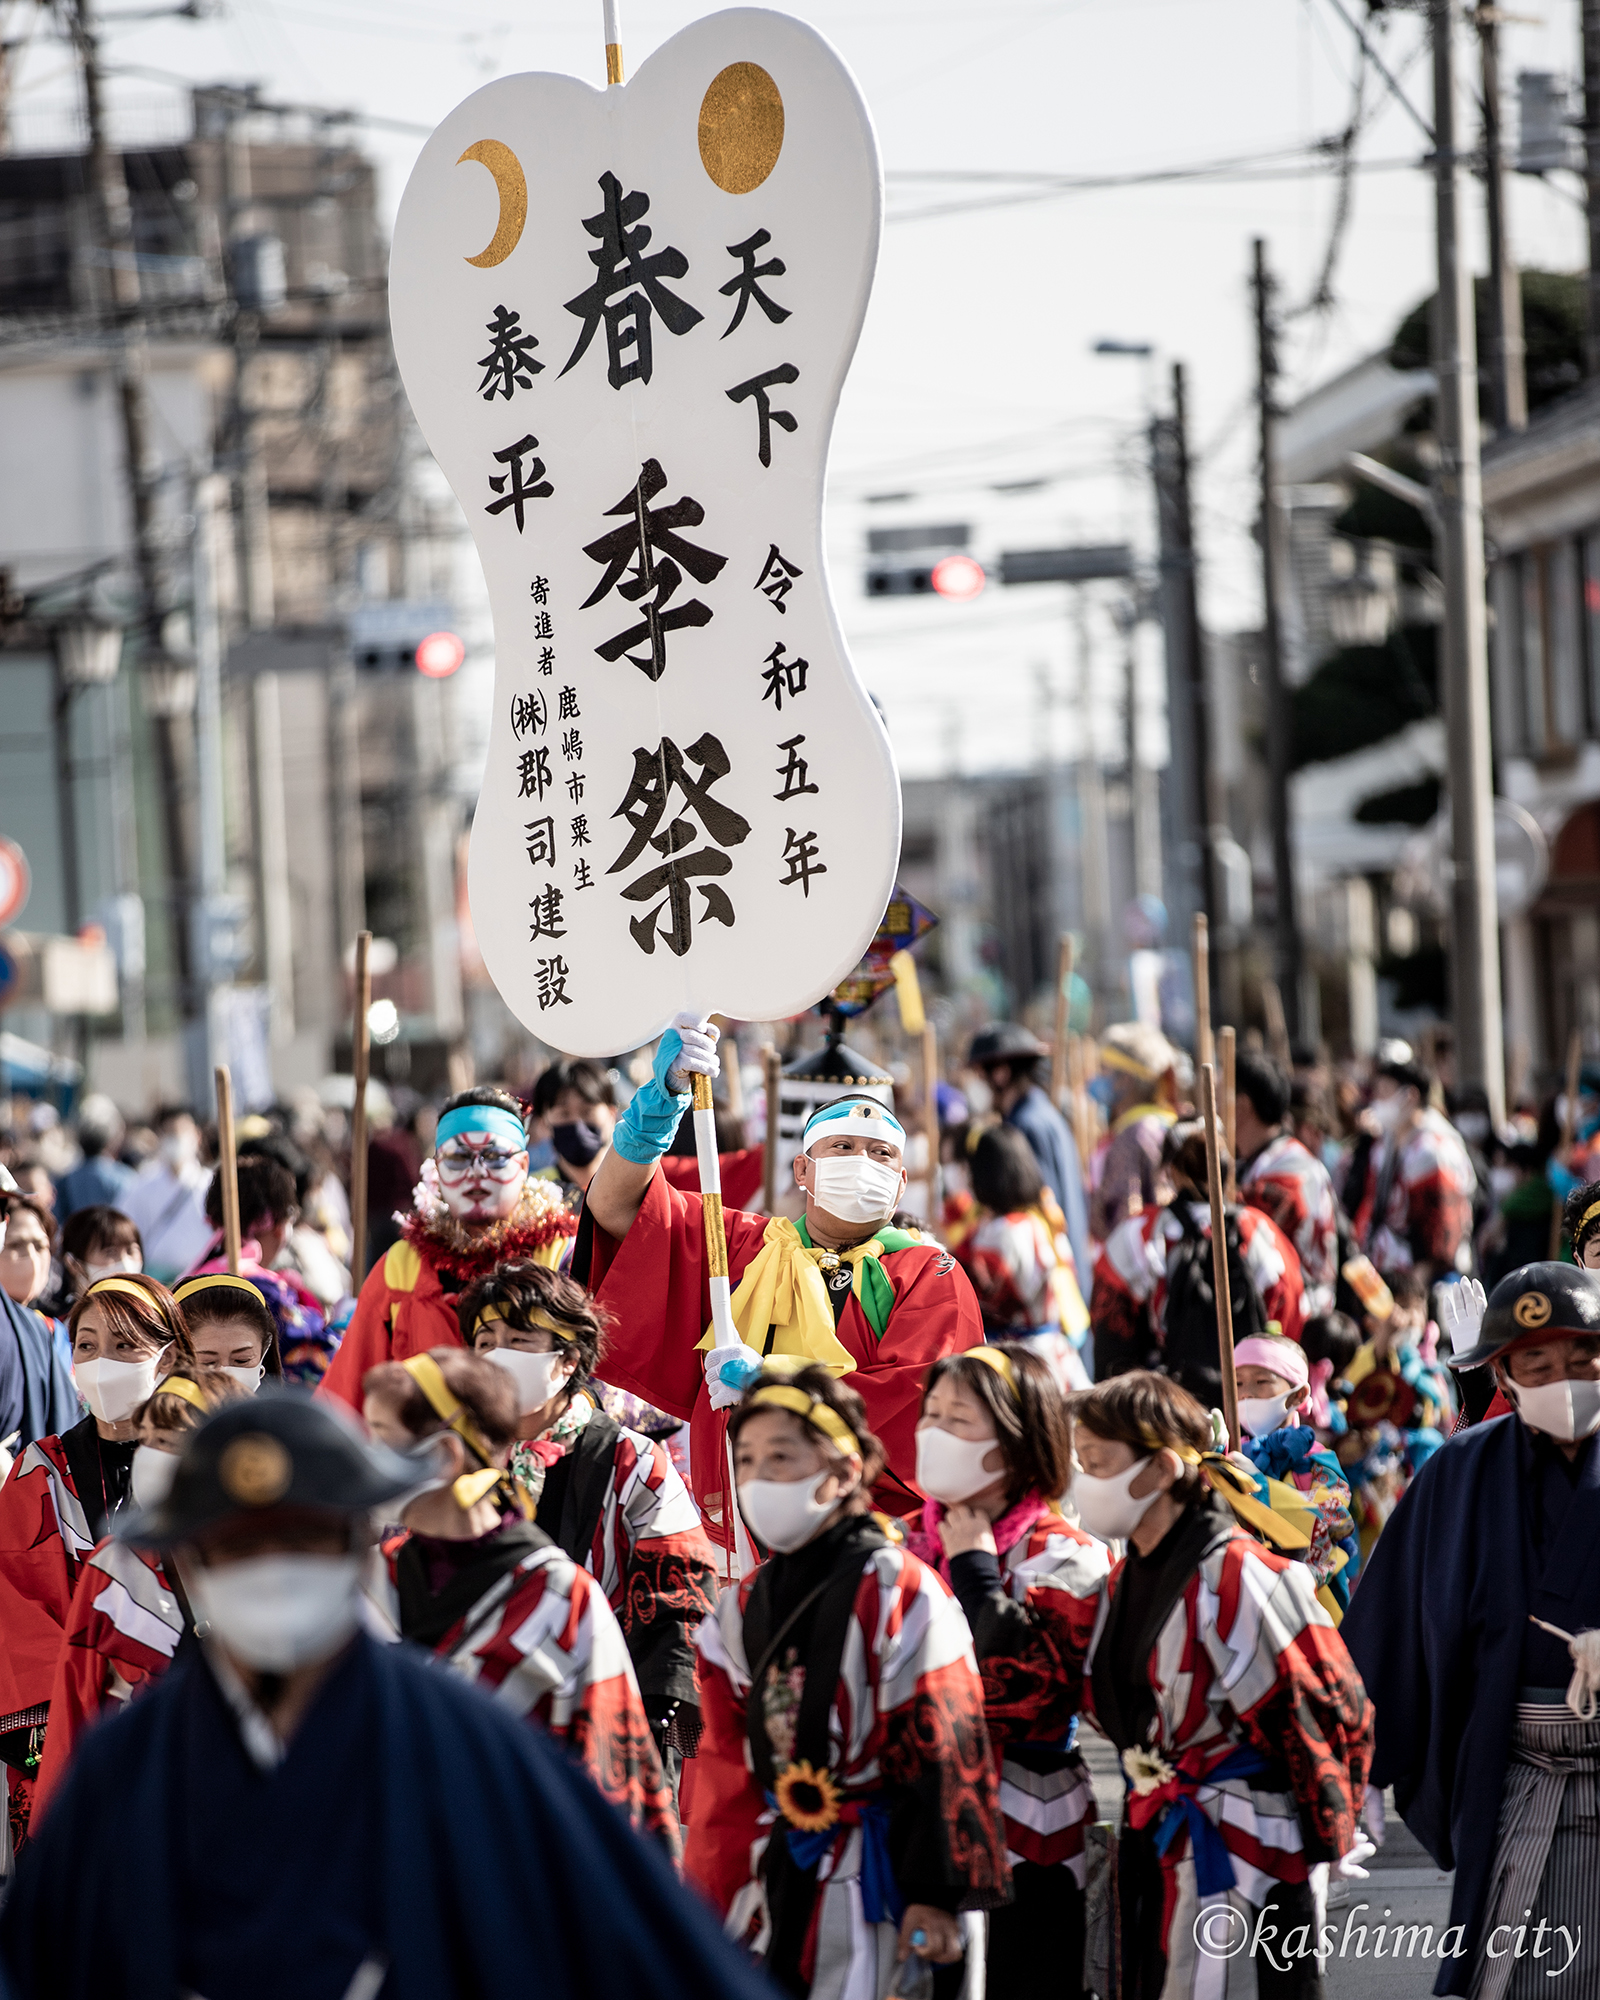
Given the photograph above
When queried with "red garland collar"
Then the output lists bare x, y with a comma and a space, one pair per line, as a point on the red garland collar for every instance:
466, 1254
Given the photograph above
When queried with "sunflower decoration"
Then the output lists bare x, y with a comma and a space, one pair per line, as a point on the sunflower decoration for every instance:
1146, 1770
808, 1799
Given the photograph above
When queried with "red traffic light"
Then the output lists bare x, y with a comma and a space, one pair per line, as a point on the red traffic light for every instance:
439, 655
957, 576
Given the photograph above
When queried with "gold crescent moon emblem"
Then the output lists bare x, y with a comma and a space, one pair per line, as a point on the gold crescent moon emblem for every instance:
1532, 1309
513, 186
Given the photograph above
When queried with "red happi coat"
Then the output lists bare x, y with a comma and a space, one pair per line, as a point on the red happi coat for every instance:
1248, 1659
1427, 1216
1132, 1270
543, 1641
1288, 1182
654, 1284
907, 1717
122, 1631
1031, 1649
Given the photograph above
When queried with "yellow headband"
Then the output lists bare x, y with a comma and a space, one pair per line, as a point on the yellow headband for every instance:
1588, 1216
1186, 1452
214, 1281
1113, 1058
121, 1285
537, 1321
784, 1396
1000, 1363
185, 1390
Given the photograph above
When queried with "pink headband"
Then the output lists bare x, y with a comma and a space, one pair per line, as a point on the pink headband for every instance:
1281, 1357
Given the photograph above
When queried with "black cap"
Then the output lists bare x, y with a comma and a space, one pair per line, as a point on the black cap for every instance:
1004, 1041
276, 1449
1539, 1302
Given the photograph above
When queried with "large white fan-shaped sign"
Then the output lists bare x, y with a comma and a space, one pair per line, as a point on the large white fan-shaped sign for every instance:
623, 319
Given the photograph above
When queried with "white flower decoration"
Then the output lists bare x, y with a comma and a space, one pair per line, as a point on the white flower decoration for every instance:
1146, 1770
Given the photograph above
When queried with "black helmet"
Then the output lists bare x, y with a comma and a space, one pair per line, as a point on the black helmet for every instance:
1004, 1041
1538, 1302
276, 1449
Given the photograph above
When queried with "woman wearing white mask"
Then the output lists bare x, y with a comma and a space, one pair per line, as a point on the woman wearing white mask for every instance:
473, 1579
128, 1616
126, 1332
607, 1494
845, 1808
231, 1327
1244, 1729
98, 1243
993, 1451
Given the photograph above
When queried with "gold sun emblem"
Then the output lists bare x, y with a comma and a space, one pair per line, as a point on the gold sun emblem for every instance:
255, 1470
808, 1799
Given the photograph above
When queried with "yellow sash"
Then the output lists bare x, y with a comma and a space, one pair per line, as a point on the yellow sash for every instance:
783, 1288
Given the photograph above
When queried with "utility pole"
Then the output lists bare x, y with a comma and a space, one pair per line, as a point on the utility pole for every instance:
1194, 861
1286, 953
1591, 175
1507, 349
1475, 940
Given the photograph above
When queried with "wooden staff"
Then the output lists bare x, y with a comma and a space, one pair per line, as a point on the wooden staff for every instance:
1202, 988
1225, 1045
1058, 1048
772, 1071
1277, 1026
228, 1167
1077, 1088
723, 1332
360, 1057
1219, 1256
1569, 1123
930, 1115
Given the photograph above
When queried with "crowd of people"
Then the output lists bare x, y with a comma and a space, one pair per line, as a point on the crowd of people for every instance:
570, 1626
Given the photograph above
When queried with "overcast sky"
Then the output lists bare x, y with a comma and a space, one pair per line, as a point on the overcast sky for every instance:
975, 366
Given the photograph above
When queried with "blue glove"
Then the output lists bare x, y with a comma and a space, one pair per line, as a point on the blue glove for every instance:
650, 1123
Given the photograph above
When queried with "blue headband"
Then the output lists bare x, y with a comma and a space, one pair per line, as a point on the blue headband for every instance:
857, 1118
482, 1118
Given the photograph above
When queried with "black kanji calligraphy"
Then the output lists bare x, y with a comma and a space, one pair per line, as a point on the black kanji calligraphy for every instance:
777, 579
509, 365
533, 773
793, 773
746, 285
766, 415
568, 710
628, 289
528, 712
575, 787
656, 775
541, 837
572, 746
579, 830
582, 875
547, 918
525, 482
783, 677
539, 590
547, 659
800, 857
552, 975
543, 627
650, 546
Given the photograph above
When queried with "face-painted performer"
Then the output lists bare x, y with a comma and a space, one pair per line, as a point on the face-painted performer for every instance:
475, 1207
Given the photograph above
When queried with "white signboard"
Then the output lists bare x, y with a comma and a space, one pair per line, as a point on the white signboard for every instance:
623, 318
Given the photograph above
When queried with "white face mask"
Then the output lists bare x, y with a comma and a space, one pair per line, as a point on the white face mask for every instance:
180, 1149
152, 1475
952, 1468
115, 1389
248, 1379
785, 1514
1105, 1506
1565, 1410
1261, 1414
433, 1455
129, 1261
277, 1613
854, 1186
1388, 1111
535, 1377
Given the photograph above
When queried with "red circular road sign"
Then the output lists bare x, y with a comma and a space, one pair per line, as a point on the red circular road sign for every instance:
439, 655
957, 576
16, 880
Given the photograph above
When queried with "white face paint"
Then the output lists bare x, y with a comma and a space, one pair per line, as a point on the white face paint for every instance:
480, 1178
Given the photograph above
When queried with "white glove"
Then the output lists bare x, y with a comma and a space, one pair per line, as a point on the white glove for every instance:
724, 1395
1349, 1867
1461, 1310
698, 1055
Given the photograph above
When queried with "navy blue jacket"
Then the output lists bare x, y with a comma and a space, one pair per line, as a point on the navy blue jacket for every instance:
439, 1833
36, 1391
1050, 1136
1438, 1629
